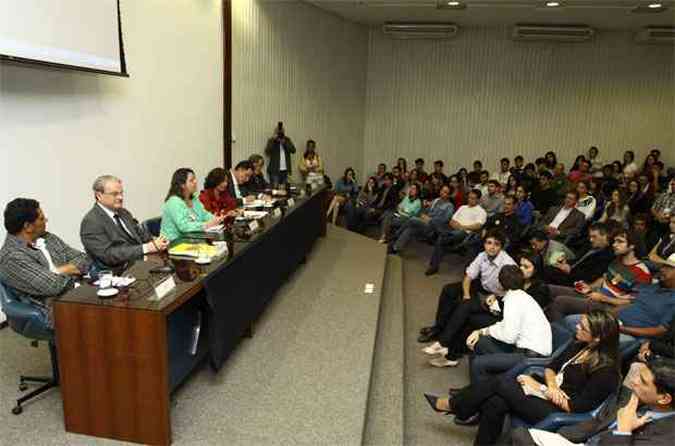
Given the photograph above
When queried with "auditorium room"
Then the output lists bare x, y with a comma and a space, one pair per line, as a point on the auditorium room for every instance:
337, 222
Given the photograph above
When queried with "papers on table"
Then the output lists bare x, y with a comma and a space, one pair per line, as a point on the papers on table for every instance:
255, 214
217, 229
255, 204
196, 250
120, 282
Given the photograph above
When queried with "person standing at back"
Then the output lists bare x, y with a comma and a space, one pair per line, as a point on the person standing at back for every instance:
279, 149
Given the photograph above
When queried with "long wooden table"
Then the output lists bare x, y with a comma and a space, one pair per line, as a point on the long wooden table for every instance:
121, 358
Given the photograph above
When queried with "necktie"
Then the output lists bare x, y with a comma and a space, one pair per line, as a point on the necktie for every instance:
118, 222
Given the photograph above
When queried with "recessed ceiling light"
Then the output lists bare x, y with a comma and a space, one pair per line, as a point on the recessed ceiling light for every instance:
655, 5
552, 4
450, 4
454, 3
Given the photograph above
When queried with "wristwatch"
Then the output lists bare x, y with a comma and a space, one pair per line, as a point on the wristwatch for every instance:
543, 388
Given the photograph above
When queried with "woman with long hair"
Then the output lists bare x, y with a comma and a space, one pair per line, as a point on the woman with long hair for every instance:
346, 188
310, 164
577, 381
616, 209
551, 160
402, 164
182, 211
530, 265
410, 206
511, 186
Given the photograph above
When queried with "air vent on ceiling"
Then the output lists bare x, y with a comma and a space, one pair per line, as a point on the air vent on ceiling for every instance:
571, 33
420, 30
656, 34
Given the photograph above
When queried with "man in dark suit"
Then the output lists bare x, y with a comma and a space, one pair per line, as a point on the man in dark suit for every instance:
564, 222
648, 417
238, 184
109, 233
279, 149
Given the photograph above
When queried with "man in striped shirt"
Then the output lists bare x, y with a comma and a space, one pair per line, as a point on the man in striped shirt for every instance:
613, 288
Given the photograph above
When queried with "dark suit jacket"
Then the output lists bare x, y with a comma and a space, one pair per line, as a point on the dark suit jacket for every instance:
587, 268
107, 243
571, 226
272, 151
243, 190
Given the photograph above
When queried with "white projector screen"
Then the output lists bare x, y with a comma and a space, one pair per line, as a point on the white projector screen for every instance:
83, 34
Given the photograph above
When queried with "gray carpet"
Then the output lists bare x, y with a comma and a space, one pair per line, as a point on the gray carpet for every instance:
303, 379
422, 425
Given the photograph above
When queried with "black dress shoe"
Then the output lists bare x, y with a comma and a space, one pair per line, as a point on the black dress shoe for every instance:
432, 399
471, 421
427, 330
431, 271
454, 391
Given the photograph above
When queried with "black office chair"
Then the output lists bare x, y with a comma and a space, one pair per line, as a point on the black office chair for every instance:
153, 225
32, 321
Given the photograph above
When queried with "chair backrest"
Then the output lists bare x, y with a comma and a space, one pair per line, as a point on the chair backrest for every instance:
153, 225
25, 317
561, 338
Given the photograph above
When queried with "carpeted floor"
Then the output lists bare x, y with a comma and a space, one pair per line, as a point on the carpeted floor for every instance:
422, 425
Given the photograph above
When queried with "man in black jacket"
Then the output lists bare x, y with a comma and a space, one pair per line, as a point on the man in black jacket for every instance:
279, 149
588, 266
647, 418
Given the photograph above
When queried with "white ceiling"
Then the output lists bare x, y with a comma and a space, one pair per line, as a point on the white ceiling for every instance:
601, 14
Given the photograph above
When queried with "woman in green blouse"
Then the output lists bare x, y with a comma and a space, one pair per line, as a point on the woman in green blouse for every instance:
182, 211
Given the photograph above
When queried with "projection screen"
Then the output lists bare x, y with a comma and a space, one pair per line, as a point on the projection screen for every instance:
80, 34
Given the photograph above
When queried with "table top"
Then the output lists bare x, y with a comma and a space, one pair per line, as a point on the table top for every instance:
188, 276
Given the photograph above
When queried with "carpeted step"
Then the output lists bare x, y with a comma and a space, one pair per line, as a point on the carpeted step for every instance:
384, 419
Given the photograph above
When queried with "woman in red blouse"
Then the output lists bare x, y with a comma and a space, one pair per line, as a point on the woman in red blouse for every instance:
215, 196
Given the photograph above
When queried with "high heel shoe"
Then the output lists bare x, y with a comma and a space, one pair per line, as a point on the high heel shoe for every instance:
432, 399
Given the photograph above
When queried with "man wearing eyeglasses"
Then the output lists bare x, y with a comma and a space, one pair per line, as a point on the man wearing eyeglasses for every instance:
109, 233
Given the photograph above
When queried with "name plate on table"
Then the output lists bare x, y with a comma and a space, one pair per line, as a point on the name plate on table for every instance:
254, 225
290, 202
276, 213
163, 288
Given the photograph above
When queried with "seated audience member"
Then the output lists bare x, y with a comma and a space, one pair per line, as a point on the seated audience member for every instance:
493, 201
397, 179
639, 201
582, 174
310, 165
646, 418
651, 312
617, 210
613, 289
346, 189
589, 266
421, 173
544, 197
33, 262
109, 233
409, 207
517, 169
551, 252
524, 207
506, 221
665, 246
438, 172
607, 180
564, 222
182, 211
504, 173
551, 160
257, 183
385, 200
661, 347
278, 149
468, 220
591, 367
474, 176
560, 184
617, 169
529, 178
541, 165
484, 184
586, 203
457, 193
215, 197
411, 179
630, 167
459, 300
379, 173
511, 186
430, 224
640, 226
595, 161
239, 178
402, 165
534, 285
523, 332
664, 207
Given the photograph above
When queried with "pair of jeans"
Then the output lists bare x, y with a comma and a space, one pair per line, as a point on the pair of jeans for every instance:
413, 227
444, 242
280, 177
492, 357
563, 306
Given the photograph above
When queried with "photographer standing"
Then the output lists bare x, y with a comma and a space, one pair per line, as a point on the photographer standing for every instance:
279, 149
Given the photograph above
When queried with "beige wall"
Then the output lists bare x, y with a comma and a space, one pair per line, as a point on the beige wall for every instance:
295, 63
483, 96
60, 129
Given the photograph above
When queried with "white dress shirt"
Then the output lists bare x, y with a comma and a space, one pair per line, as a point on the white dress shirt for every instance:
524, 324
111, 214
282, 158
237, 192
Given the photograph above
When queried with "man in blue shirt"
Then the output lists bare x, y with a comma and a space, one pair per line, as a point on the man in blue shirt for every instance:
433, 221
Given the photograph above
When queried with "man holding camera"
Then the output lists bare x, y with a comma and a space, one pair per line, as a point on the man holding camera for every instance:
279, 149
